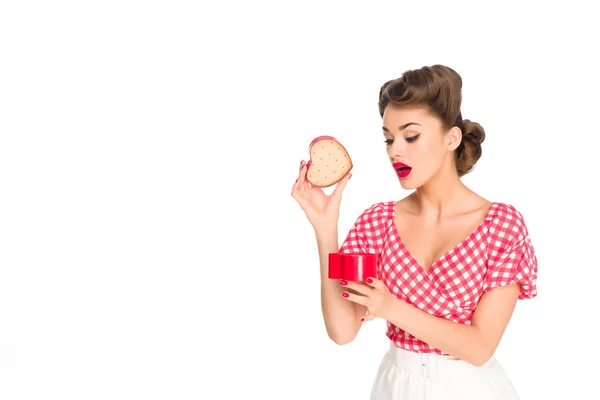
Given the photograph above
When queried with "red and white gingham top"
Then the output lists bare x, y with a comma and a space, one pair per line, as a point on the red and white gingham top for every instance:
498, 252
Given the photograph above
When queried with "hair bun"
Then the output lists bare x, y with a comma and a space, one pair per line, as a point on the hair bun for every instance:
470, 150
473, 131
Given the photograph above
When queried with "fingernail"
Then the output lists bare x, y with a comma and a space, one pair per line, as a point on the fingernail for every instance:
362, 320
296, 180
345, 294
343, 283
369, 280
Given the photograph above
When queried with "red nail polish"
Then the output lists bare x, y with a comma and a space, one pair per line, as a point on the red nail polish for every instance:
343, 283
345, 294
362, 320
369, 280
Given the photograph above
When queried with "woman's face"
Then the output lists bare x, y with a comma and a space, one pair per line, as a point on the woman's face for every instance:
417, 145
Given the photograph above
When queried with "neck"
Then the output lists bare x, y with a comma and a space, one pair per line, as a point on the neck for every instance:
442, 194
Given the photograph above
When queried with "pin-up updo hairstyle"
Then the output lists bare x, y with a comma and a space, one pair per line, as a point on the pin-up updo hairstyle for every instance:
439, 89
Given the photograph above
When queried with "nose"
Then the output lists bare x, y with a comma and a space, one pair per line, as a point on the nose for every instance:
396, 151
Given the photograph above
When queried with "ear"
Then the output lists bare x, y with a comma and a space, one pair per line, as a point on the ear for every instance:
453, 138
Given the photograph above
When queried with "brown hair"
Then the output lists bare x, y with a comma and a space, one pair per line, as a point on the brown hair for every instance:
439, 89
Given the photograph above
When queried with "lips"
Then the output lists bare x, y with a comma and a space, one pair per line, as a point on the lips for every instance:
402, 169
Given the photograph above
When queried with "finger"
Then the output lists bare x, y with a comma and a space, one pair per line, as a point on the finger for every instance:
295, 189
317, 189
299, 181
359, 287
341, 185
375, 283
295, 192
368, 317
302, 173
355, 298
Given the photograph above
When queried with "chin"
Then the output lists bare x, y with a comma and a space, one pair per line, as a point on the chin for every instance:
407, 183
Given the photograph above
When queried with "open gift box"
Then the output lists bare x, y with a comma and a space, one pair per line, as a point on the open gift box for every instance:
352, 267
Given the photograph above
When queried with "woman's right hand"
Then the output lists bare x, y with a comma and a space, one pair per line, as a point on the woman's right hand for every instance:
321, 210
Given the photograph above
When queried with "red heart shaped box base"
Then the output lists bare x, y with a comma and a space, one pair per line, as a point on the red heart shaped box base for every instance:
352, 267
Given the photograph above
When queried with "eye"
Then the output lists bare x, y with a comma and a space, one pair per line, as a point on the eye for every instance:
413, 138
388, 141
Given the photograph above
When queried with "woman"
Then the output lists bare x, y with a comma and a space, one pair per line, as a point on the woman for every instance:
451, 263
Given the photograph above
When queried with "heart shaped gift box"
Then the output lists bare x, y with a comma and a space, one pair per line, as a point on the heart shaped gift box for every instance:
352, 267
329, 162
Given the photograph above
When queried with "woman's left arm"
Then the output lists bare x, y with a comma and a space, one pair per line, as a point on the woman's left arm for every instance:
475, 343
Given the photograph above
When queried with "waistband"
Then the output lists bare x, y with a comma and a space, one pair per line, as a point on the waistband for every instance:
431, 365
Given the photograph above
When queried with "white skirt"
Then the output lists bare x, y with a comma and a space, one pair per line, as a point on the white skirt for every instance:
406, 375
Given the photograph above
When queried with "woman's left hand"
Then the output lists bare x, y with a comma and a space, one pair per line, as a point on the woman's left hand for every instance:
373, 294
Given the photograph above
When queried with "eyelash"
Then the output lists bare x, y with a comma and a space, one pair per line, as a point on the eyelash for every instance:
408, 139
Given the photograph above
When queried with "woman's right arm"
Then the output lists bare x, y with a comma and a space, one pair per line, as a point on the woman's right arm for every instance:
341, 317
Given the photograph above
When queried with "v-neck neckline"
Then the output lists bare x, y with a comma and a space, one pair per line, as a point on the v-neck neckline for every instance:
427, 272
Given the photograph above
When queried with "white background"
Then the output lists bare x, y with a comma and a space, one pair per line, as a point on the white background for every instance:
149, 245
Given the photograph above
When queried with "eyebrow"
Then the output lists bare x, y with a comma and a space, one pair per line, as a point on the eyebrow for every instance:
402, 126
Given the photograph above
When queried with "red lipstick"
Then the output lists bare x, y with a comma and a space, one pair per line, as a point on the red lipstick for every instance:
402, 169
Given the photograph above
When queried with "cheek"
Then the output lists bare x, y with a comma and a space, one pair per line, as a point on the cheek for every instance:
428, 150
420, 152
426, 157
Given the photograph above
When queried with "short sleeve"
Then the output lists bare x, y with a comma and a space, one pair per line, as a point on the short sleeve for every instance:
368, 233
511, 256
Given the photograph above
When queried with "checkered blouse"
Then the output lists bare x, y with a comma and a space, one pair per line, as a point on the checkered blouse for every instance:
498, 252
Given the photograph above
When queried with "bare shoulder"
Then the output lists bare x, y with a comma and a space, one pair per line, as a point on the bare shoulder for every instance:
479, 205
474, 203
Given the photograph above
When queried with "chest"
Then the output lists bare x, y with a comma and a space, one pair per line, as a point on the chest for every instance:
428, 242
437, 268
